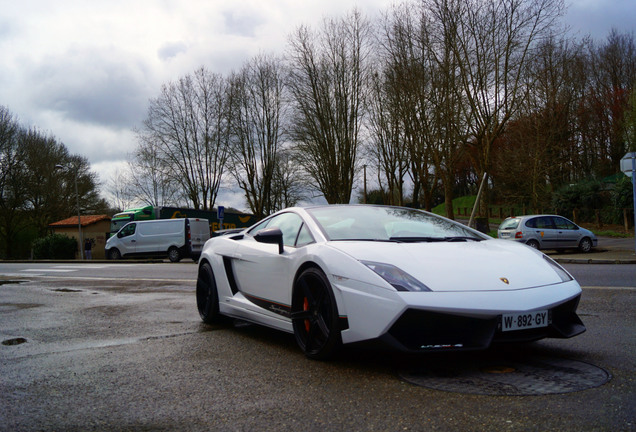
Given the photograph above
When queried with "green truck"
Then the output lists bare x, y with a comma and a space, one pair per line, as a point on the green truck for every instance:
230, 219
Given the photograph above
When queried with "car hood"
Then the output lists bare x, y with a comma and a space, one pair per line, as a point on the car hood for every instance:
489, 265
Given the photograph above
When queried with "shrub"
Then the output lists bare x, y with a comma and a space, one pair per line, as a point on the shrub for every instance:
55, 246
623, 195
585, 196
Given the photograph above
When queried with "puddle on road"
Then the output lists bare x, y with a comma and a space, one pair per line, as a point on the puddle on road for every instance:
7, 282
14, 341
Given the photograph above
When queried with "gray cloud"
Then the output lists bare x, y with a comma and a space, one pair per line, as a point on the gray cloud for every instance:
242, 24
171, 49
108, 87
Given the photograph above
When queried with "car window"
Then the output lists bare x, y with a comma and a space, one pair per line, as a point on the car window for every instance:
510, 224
304, 237
260, 226
562, 223
128, 230
380, 223
540, 223
289, 224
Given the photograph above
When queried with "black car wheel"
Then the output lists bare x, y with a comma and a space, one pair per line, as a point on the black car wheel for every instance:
114, 254
585, 245
533, 244
207, 295
174, 255
315, 315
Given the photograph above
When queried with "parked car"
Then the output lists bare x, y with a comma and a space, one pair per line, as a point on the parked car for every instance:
344, 274
547, 232
174, 238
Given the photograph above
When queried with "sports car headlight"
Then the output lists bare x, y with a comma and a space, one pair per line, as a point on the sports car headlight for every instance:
398, 278
565, 276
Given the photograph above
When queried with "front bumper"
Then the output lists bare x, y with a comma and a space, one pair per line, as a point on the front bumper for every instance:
420, 330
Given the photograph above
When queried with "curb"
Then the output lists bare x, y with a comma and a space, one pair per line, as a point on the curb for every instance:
593, 261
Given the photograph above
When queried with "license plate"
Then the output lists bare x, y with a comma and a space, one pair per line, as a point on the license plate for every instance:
527, 320
505, 234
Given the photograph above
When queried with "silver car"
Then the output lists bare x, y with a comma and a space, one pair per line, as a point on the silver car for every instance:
547, 232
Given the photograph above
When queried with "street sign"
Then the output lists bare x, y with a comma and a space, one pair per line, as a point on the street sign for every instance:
220, 212
628, 166
627, 163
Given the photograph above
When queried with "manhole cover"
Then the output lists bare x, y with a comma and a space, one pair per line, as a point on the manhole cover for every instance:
531, 376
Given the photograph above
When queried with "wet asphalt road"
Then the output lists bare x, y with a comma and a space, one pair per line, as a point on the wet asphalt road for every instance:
107, 353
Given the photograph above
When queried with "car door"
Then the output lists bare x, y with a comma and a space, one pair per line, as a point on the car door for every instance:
543, 231
128, 239
263, 275
567, 232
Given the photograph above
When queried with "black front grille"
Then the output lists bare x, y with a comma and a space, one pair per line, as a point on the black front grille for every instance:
421, 330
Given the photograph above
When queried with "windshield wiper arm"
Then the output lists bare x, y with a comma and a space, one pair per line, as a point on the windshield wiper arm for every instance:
433, 239
417, 239
462, 238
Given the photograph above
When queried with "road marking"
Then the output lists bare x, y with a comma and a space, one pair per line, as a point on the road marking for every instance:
106, 278
89, 266
49, 270
610, 288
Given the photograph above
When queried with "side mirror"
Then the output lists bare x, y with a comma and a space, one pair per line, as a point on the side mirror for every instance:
271, 236
119, 234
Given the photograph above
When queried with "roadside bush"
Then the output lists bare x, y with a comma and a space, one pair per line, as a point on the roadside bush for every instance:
584, 196
55, 246
623, 195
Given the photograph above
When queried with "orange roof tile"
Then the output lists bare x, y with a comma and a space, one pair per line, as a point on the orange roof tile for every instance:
85, 220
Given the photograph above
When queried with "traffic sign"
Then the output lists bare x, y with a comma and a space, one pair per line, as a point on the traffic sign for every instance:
627, 163
220, 212
628, 166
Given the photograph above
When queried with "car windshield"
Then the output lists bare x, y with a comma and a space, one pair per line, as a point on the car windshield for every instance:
379, 223
510, 224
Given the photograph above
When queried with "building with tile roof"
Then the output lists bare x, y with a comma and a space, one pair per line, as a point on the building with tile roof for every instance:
95, 228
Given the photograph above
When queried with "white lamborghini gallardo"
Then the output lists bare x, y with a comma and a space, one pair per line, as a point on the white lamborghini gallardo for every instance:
342, 274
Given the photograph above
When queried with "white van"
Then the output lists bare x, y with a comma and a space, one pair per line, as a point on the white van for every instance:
174, 238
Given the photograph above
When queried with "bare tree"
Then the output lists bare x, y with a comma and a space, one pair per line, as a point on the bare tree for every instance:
149, 177
289, 182
119, 189
12, 185
327, 80
188, 122
495, 40
612, 67
534, 154
388, 149
257, 112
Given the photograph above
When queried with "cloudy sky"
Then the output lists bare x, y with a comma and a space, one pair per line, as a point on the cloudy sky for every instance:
83, 71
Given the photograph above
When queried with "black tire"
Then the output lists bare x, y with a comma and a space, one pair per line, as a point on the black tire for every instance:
114, 254
207, 295
585, 245
315, 315
533, 244
174, 255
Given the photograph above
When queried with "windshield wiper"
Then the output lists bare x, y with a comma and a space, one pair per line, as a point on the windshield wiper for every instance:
366, 239
462, 238
432, 239
418, 239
